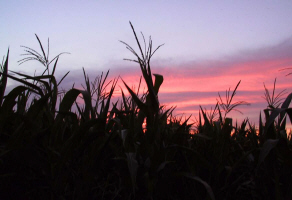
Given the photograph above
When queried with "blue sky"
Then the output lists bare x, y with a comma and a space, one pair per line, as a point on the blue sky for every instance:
207, 38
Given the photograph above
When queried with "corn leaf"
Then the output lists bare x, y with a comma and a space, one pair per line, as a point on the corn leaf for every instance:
133, 168
275, 113
267, 147
38, 89
158, 82
106, 108
3, 79
204, 183
71, 96
289, 112
37, 107
9, 101
142, 106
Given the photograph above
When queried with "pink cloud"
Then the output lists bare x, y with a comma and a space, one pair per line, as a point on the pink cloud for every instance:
190, 84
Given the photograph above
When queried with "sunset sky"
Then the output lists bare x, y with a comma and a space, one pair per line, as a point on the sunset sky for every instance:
209, 45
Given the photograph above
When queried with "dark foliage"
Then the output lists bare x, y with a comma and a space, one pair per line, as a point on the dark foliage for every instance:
102, 150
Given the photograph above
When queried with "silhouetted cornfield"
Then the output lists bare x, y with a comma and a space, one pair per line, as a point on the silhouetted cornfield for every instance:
52, 147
